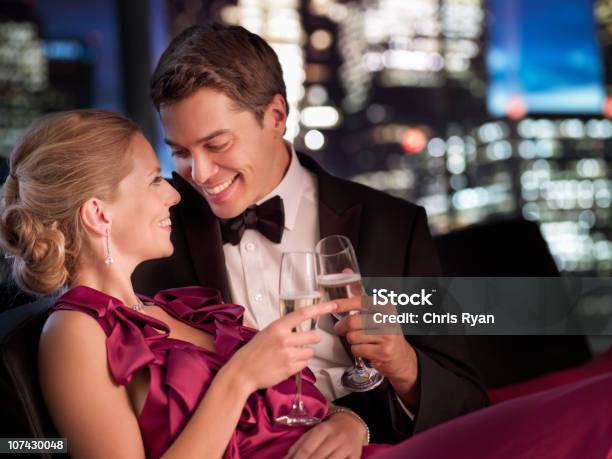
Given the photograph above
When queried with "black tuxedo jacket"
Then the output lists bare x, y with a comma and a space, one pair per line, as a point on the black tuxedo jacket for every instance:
391, 239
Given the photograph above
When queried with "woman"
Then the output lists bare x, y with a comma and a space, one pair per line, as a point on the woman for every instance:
178, 375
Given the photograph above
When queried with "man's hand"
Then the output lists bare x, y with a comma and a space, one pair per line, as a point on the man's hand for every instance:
390, 354
340, 437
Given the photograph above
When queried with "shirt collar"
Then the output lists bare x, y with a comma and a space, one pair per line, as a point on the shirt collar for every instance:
290, 188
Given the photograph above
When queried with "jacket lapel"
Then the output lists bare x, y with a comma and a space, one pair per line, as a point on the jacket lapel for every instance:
339, 213
203, 236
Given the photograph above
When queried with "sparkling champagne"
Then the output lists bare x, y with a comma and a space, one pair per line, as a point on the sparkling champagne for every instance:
340, 286
290, 303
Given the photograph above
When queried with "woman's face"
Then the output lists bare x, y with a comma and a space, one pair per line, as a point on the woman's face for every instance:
140, 228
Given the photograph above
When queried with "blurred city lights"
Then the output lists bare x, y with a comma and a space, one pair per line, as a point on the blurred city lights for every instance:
607, 109
436, 147
321, 39
414, 140
320, 117
279, 23
516, 107
316, 94
314, 140
455, 164
376, 113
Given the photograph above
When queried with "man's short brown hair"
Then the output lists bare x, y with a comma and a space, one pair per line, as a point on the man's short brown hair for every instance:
231, 59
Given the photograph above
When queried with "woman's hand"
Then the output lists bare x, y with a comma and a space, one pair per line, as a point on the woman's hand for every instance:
276, 352
339, 437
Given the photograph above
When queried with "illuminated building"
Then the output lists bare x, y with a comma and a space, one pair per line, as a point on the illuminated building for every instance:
37, 76
426, 100
23, 78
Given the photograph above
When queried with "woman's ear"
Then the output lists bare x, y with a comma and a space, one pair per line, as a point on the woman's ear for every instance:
95, 218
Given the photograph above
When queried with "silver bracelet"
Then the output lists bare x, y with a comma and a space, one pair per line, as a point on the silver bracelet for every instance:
338, 409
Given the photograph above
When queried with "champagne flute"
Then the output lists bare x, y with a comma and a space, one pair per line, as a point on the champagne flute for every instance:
339, 278
298, 289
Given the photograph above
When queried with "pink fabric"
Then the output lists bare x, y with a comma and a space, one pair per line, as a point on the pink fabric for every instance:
597, 366
570, 421
182, 372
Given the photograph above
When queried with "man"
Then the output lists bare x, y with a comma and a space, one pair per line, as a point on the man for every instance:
221, 97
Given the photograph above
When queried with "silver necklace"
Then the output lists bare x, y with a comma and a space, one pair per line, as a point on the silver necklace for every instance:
139, 306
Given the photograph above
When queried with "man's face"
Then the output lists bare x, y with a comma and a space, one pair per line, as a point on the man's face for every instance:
227, 155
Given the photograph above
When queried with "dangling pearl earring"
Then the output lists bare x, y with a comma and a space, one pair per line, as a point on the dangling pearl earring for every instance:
108, 260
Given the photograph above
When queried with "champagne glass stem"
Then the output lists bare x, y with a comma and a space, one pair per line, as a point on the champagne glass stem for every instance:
298, 403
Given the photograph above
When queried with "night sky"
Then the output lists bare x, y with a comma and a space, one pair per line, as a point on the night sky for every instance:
546, 51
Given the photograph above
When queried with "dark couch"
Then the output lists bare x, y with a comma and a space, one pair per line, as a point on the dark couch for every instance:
510, 248
23, 410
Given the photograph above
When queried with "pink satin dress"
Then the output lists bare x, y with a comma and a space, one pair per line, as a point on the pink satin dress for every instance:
181, 372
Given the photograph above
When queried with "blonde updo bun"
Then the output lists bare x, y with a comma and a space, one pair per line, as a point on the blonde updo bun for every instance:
61, 161
38, 252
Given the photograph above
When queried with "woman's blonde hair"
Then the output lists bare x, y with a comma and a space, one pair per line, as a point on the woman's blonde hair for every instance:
60, 162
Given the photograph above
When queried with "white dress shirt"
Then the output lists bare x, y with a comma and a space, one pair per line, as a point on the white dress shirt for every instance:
253, 268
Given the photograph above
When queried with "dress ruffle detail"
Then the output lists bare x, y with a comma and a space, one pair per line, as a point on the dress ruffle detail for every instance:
181, 372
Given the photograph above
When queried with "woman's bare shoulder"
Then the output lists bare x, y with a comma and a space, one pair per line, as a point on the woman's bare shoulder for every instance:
81, 395
72, 333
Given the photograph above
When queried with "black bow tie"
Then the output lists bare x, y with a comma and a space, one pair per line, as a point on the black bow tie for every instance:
267, 218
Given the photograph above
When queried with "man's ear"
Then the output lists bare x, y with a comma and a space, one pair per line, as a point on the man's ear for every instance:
95, 218
276, 114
